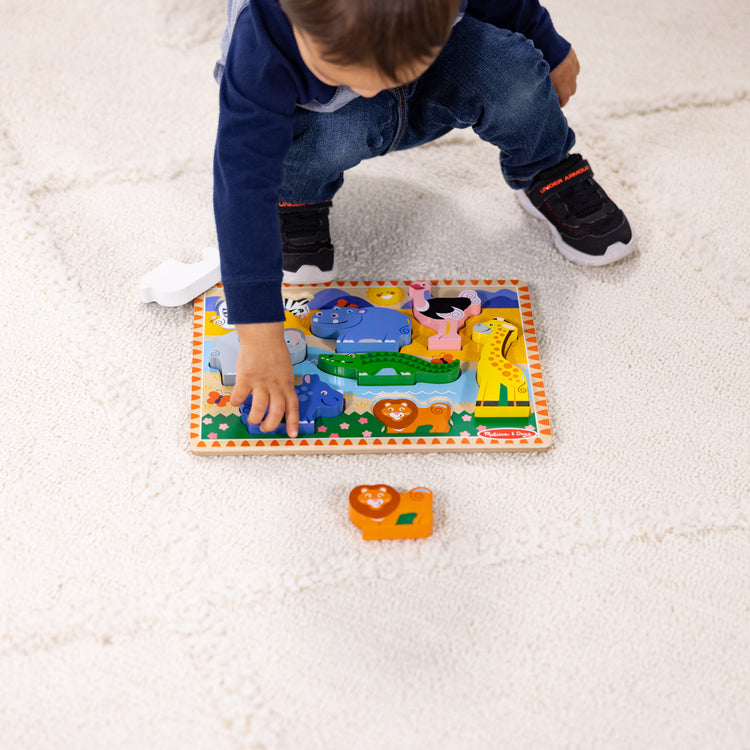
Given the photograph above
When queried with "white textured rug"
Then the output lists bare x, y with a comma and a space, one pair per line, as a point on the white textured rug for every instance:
595, 596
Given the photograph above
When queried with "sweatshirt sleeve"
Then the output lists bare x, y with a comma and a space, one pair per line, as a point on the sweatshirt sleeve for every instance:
257, 97
527, 17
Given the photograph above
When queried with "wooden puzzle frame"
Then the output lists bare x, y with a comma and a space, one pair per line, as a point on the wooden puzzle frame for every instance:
216, 428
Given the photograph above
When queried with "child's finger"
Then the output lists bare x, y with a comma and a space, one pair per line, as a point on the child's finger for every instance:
275, 413
292, 415
239, 393
258, 407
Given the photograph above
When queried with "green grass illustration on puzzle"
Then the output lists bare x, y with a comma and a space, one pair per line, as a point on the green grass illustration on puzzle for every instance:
382, 360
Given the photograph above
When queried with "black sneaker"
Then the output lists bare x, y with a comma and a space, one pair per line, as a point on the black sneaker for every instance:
587, 226
306, 243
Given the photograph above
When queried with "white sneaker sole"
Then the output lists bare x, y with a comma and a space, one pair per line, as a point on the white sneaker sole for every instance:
615, 252
310, 275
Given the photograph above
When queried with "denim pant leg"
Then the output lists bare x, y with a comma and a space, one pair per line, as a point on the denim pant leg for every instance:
486, 78
326, 144
498, 83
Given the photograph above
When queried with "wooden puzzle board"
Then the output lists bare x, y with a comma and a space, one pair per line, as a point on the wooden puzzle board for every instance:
216, 427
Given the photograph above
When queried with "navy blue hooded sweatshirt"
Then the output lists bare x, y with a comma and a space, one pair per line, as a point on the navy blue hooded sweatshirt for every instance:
262, 80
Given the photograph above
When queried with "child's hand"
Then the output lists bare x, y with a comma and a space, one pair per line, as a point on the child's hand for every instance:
564, 77
264, 368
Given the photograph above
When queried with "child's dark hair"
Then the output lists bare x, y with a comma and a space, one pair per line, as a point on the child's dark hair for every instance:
391, 35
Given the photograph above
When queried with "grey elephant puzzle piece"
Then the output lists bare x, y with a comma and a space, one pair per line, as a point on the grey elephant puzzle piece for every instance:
223, 355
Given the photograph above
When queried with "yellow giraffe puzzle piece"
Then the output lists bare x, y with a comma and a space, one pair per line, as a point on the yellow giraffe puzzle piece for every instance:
495, 372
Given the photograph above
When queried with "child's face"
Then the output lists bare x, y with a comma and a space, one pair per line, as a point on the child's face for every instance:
361, 79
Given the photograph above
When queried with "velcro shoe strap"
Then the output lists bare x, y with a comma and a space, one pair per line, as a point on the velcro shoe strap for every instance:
554, 183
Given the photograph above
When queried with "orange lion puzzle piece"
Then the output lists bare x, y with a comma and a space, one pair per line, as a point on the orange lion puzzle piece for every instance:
382, 513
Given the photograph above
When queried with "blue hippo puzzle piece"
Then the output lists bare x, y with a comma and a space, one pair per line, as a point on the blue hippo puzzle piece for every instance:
316, 399
368, 329
223, 355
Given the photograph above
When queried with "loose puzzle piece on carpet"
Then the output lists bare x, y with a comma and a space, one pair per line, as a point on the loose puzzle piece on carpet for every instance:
380, 512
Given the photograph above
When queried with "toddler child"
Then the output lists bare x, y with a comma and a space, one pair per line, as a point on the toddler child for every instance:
309, 88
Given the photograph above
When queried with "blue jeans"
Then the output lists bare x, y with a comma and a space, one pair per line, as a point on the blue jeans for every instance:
486, 78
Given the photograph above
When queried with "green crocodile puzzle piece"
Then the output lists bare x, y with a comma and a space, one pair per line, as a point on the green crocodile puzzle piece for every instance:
388, 368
